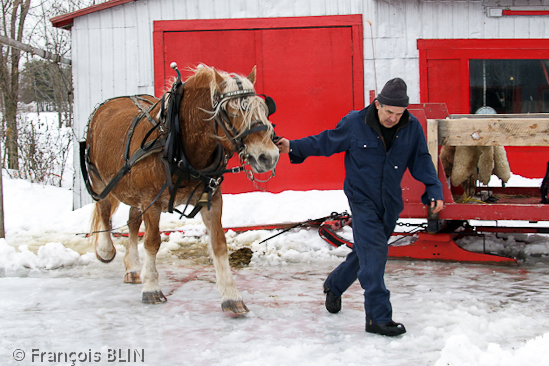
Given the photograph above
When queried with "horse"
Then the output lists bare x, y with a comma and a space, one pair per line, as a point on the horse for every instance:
193, 131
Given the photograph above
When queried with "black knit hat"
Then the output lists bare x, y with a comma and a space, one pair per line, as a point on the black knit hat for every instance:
394, 93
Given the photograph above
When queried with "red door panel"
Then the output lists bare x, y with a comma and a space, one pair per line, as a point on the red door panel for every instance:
444, 83
232, 51
309, 74
308, 70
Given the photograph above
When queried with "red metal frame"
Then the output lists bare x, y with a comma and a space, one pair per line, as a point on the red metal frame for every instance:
524, 207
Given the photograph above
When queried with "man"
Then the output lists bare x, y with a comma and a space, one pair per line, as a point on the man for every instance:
379, 142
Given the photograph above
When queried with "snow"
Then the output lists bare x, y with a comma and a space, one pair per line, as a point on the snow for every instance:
60, 305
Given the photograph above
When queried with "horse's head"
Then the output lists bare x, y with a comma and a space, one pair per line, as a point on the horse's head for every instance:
244, 117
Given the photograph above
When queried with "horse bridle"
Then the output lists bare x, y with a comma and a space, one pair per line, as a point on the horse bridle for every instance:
175, 160
222, 118
223, 121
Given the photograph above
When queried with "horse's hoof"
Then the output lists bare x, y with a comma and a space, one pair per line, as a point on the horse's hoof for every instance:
132, 277
154, 297
236, 306
103, 259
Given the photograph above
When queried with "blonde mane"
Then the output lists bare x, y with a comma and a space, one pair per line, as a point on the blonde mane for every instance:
256, 109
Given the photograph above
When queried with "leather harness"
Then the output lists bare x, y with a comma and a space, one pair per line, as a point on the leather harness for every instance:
170, 143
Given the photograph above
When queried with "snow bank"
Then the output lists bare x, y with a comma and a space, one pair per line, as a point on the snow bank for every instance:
460, 350
50, 256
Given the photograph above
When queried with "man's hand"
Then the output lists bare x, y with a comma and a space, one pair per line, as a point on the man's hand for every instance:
437, 206
283, 145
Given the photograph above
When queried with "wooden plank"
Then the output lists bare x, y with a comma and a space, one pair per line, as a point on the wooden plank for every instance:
432, 140
494, 132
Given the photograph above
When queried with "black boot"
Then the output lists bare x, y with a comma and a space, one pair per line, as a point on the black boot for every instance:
390, 329
333, 302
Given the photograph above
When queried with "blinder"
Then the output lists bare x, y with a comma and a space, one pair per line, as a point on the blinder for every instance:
271, 106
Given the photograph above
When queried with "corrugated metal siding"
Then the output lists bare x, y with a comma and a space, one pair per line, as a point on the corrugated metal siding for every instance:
113, 49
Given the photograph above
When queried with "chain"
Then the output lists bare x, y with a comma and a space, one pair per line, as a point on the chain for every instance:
418, 227
243, 156
252, 178
409, 224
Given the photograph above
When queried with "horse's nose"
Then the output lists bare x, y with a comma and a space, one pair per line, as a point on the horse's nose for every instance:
267, 160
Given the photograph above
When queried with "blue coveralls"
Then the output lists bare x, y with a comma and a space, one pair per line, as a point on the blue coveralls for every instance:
372, 186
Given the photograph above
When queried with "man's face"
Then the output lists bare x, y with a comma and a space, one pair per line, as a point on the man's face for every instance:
389, 116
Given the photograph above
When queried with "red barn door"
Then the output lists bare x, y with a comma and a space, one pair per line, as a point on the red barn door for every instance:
312, 67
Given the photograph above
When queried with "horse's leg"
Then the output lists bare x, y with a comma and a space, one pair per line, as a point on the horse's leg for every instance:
231, 299
152, 294
100, 229
131, 258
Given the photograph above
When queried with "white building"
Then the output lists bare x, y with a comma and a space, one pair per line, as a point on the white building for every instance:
121, 47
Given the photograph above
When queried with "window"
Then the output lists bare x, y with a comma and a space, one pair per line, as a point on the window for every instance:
509, 86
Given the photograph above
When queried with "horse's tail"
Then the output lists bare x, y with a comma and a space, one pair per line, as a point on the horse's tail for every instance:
98, 224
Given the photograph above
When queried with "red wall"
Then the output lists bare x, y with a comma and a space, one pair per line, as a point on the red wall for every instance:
312, 67
444, 78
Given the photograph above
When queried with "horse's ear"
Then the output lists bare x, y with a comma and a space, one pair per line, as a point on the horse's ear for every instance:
251, 75
218, 79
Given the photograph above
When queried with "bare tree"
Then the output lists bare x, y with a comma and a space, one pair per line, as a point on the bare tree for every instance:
49, 85
57, 41
2, 232
14, 14
20, 20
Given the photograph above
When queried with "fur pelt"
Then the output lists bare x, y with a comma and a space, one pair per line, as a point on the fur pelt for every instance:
465, 163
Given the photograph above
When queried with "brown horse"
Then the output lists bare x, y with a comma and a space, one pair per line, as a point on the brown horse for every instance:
204, 97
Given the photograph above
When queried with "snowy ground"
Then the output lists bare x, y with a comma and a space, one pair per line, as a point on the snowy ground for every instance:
61, 306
